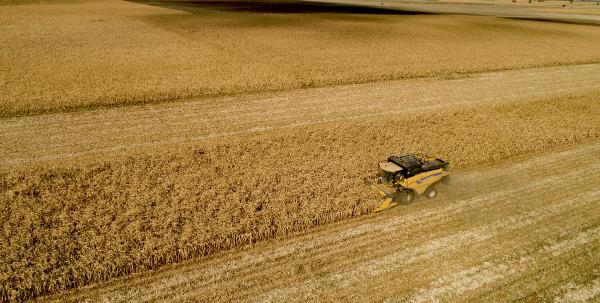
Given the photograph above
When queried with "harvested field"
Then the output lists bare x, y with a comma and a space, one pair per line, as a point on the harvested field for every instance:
76, 55
70, 223
526, 230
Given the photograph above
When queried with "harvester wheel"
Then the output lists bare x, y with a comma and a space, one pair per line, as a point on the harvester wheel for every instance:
407, 196
430, 192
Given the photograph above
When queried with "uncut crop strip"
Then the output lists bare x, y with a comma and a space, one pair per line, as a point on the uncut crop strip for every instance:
269, 264
64, 136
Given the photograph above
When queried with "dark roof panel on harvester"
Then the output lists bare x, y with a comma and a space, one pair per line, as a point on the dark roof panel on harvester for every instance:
406, 161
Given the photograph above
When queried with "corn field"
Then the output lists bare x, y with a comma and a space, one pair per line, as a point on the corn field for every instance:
78, 54
71, 223
76, 223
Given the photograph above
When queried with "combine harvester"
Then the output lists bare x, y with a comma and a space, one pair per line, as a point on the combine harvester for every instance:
403, 177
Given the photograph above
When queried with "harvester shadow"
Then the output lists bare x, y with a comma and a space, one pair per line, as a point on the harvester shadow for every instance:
274, 7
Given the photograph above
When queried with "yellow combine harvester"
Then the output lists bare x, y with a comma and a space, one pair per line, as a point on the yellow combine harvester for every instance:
403, 177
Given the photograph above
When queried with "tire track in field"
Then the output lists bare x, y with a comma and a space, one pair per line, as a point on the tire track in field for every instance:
580, 293
68, 135
347, 247
542, 281
462, 281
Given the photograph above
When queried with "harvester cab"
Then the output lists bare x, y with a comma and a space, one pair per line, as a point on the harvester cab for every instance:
403, 177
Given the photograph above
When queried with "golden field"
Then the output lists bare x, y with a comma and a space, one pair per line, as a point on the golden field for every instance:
72, 224
58, 56
285, 108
